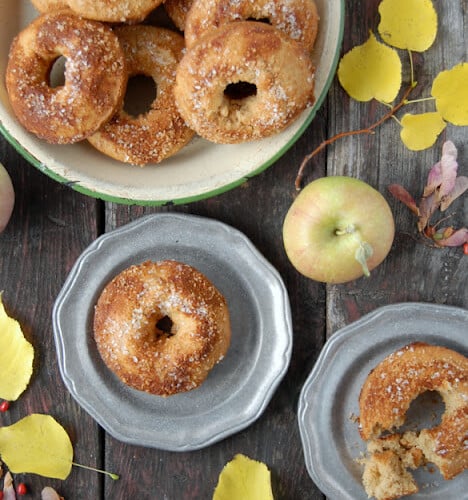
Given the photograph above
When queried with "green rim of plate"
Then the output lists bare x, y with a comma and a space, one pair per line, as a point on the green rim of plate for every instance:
208, 194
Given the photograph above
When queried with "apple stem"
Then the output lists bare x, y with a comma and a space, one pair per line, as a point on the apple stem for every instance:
363, 252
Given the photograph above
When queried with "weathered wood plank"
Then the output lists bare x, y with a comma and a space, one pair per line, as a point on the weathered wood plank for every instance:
412, 271
50, 227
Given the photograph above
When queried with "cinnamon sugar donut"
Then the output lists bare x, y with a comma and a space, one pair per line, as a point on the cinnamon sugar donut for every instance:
94, 77
44, 6
298, 18
161, 132
177, 10
114, 11
161, 327
402, 376
276, 71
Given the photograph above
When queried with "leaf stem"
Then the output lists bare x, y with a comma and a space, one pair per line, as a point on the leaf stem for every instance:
110, 474
423, 99
410, 55
331, 140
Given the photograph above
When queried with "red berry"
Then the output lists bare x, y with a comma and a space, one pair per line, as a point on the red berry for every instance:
465, 248
4, 405
21, 489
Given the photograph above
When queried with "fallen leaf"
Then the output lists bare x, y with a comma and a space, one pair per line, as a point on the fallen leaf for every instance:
37, 444
450, 90
8, 488
49, 493
371, 71
408, 24
461, 185
456, 239
401, 194
420, 131
244, 479
16, 357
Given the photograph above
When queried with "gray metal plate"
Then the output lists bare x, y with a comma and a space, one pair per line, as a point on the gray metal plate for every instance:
329, 397
236, 391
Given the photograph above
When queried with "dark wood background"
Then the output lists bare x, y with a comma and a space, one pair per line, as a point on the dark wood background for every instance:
52, 225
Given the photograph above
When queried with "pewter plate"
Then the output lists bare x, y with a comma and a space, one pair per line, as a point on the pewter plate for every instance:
328, 401
236, 391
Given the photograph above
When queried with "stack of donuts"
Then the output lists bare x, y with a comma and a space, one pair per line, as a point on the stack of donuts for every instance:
230, 72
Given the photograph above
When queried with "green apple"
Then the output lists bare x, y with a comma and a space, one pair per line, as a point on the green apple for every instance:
338, 229
7, 197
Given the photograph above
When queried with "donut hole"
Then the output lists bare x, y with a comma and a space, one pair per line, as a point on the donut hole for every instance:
139, 96
264, 20
57, 72
164, 326
425, 412
240, 90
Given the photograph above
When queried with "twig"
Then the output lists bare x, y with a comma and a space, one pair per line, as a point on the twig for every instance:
368, 130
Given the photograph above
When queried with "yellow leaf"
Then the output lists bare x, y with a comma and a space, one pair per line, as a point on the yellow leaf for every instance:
244, 479
16, 357
420, 131
371, 70
408, 24
450, 89
37, 444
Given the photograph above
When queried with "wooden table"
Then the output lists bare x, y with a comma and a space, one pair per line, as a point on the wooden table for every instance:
52, 225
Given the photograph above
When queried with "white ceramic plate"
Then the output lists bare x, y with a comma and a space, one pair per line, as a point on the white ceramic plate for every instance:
199, 170
236, 391
329, 398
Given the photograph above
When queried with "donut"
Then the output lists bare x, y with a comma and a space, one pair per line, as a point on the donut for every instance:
114, 11
161, 132
160, 327
94, 77
297, 18
177, 11
273, 73
402, 376
44, 6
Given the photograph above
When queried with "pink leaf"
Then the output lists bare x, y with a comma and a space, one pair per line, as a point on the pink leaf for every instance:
426, 208
461, 185
449, 168
458, 238
8, 488
401, 194
443, 174
49, 493
434, 179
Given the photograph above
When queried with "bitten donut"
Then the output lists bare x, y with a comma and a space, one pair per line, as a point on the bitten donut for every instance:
160, 132
44, 6
402, 376
298, 18
161, 327
275, 71
94, 77
177, 10
114, 11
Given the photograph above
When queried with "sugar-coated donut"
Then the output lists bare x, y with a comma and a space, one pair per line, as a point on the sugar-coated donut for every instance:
44, 6
160, 132
297, 18
114, 11
177, 11
161, 327
402, 376
94, 76
277, 70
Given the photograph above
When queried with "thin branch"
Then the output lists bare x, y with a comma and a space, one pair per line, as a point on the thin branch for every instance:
368, 130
